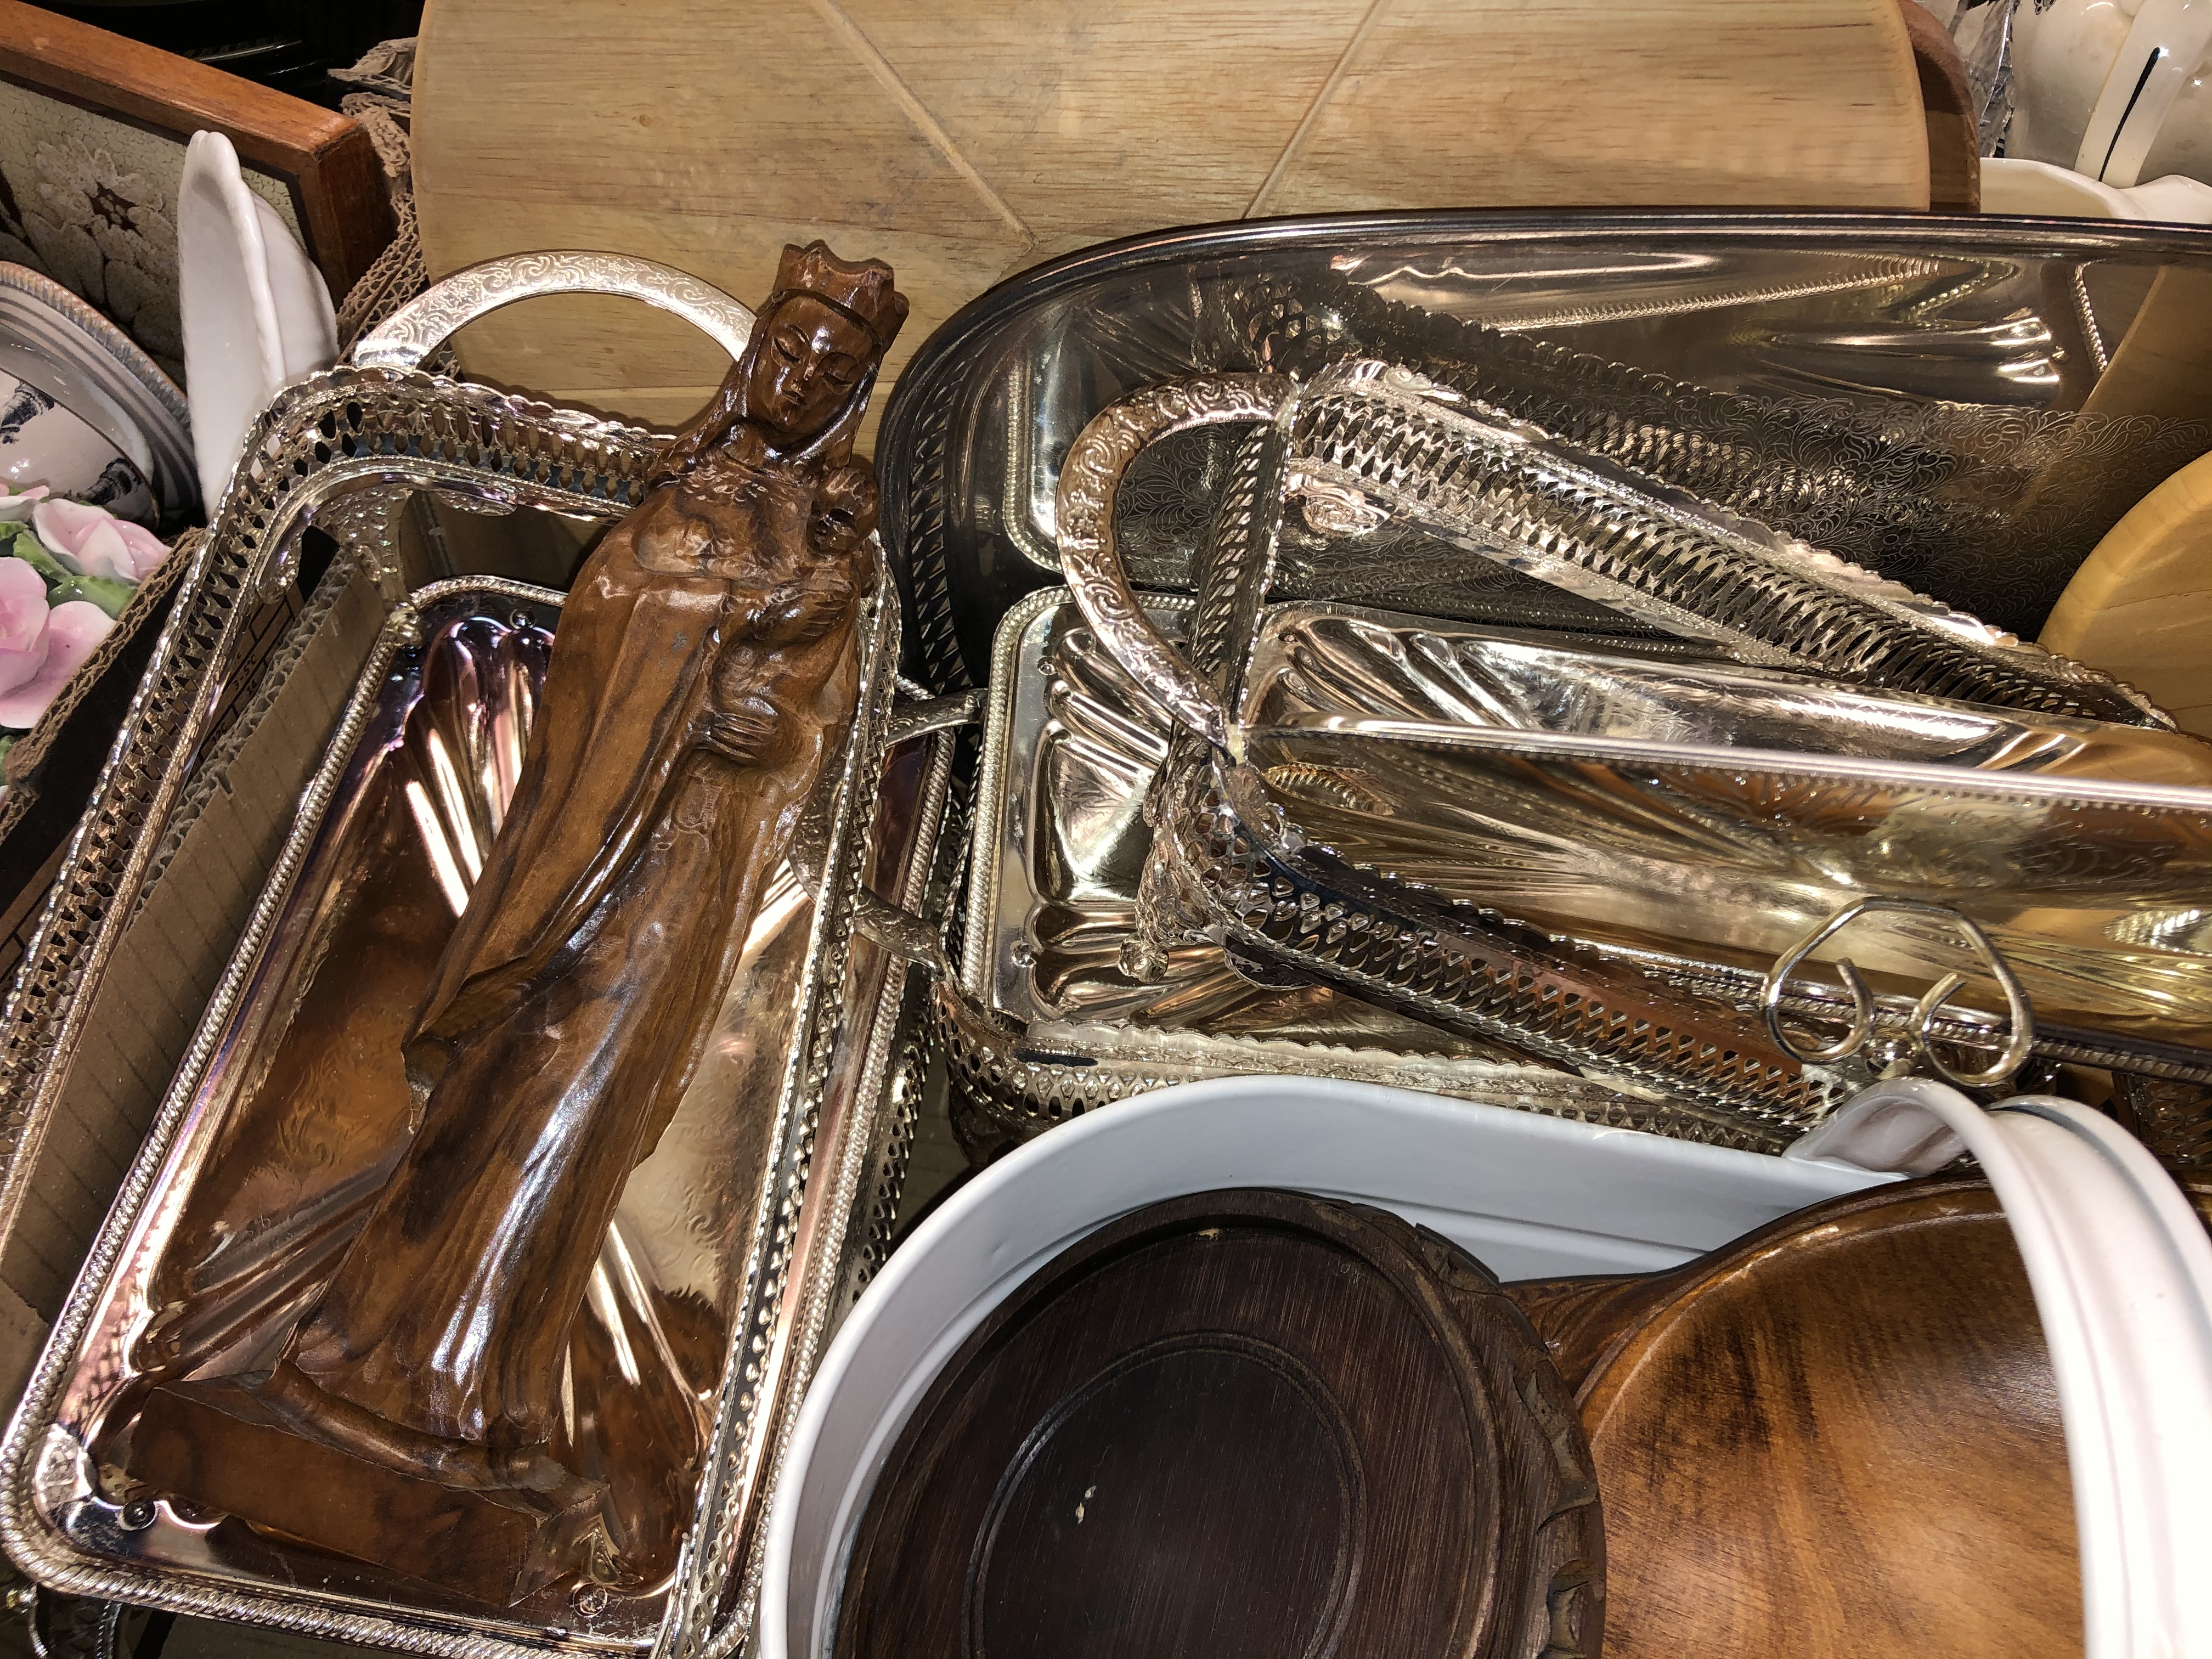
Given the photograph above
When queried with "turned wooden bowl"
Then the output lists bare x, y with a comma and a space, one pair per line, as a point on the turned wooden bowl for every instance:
1839, 1436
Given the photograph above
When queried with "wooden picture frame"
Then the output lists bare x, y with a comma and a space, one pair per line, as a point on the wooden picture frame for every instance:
93, 131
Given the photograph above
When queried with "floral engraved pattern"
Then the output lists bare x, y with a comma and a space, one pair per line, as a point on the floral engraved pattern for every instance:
412, 333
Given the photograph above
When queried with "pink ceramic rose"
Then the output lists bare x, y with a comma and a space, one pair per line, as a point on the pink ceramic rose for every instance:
93, 541
75, 629
23, 623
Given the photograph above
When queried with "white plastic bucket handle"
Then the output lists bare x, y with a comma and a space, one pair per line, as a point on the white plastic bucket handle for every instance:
2121, 1271
2165, 46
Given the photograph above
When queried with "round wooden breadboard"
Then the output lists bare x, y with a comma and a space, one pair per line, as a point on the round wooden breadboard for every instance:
1242, 1424
963, 141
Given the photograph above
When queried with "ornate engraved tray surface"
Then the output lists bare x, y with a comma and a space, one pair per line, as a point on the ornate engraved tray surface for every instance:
739, 1243
1384, 806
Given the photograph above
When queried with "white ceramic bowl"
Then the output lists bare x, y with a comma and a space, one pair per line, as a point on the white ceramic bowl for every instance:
1532, 1197
2122, 1273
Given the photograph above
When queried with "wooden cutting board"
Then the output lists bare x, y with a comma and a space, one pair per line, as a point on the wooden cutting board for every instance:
965, 140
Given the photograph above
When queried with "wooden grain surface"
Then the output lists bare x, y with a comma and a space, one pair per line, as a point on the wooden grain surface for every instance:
1837, 1438
964, 141
1239, 1424
338, 184
2141, 606
1954, 155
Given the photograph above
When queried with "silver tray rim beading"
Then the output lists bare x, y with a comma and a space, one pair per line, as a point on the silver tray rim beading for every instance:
503, 452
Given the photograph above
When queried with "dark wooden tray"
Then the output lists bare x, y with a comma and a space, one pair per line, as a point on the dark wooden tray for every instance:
1240, 1423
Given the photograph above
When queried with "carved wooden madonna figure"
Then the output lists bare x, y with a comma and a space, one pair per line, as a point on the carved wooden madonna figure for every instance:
705, 667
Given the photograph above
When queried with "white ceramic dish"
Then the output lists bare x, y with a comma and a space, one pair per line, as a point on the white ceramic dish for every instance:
255, 309
60, 344
2041, 190
1531, 1196
2114, 89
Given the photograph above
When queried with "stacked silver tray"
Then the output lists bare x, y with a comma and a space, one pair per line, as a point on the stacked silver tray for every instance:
1746, 446
291, 822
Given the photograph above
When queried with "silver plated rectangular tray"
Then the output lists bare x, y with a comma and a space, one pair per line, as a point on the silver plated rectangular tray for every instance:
1956, 403
1043, 1020
293, 1104
1381, 840
743, 1310
1705, 805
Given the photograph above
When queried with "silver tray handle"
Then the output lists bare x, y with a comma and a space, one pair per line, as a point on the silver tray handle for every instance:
403, 339
1083, 526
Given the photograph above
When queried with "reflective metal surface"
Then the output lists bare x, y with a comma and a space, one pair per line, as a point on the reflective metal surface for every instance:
1947, 402
341, 451
420, 327
1046, 1021
338, 451
1709, 806
277, 1136
1370, 448
1383, 444
1072, 745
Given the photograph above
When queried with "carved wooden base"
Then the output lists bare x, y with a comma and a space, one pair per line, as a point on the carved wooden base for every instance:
252, 1453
